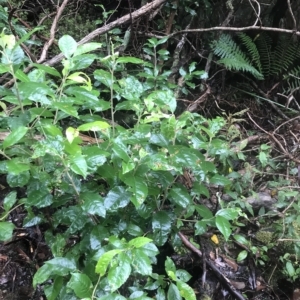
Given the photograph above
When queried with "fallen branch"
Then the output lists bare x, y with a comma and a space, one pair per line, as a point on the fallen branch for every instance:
216, 271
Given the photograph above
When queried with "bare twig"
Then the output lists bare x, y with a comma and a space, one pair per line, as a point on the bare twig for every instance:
48, 44
292, 15
257, 13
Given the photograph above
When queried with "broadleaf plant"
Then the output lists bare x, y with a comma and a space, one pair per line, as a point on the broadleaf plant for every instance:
104, 153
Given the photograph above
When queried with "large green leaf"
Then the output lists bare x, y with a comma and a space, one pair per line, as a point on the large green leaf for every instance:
138, 188
94, 126
67, 45
186, 291
36, 91
53, 291
15, 136
173, 292
16, 166
139, 242
141, 262
6, 230
161, 225
118, 274
85, 48
117, 198
81, 284
224, 226
93, 204
78, 164
180, 196
47, 69
9, 200
105, 260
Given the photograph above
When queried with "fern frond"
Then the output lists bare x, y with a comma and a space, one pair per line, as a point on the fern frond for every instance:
252, 50
264, 44
293, 82
285, 54
232, 56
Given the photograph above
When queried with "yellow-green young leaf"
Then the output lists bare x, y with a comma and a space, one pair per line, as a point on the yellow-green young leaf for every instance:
186, 291
139, 242
104, 261
14, 136
94, 126
71, 134
81, 284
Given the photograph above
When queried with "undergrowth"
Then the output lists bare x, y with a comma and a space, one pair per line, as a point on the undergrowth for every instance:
116, 186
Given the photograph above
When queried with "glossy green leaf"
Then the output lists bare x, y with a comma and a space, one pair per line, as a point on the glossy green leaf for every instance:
112, 296
119, 273
173, 293
15, 136
104, 77
78, 164
81, 284
105, 260
36, 91
10, 200
169, 265
120, 149
183, 275
139, 242
138, 188
88, 47
16, 166
39, 198
220, 180
203, 211
53, 291
186, 291
128, 59
180, 196
141, 262
224, 226
6, 230
200, 227
66, 108
228, 213
94, 126
242, 255
18, 180
47, 69
161, 225
117, 198
67, 45
41, 275
290, 269
241, 239
93, 204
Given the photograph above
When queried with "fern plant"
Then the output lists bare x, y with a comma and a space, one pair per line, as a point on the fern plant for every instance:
233, 57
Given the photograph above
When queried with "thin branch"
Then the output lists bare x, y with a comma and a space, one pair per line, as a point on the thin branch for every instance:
48, 44
146, 9
292, 15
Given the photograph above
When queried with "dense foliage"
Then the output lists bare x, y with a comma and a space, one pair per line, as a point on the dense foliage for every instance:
99, 152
